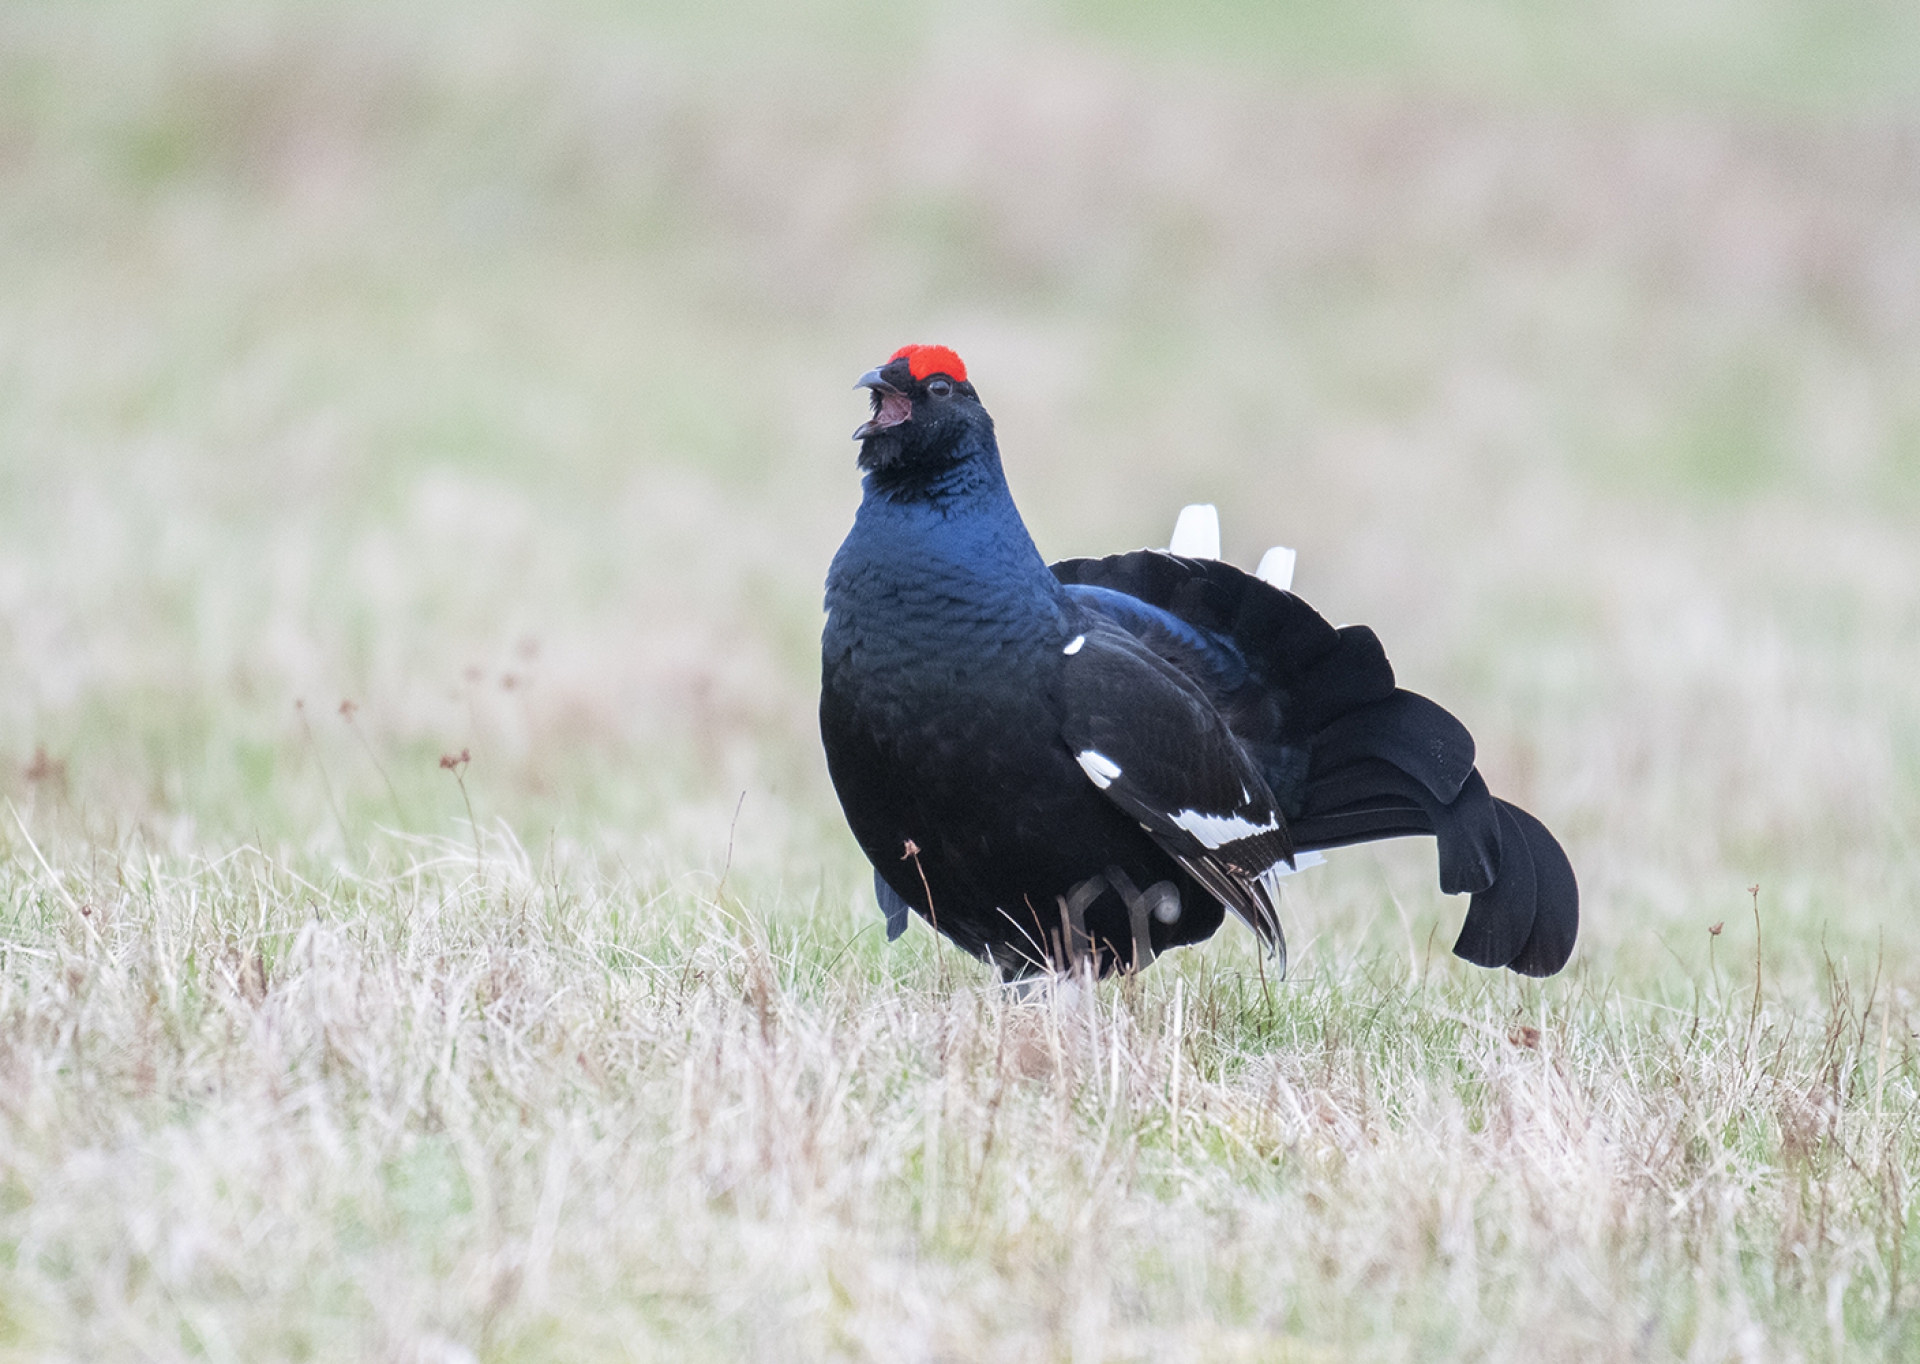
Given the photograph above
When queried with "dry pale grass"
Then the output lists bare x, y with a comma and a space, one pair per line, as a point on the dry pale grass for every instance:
507, 1108
486, 371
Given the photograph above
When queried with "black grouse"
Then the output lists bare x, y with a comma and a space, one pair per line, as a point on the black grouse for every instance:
1095, 761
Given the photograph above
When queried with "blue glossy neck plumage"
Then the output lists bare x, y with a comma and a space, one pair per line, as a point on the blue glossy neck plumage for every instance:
938, 557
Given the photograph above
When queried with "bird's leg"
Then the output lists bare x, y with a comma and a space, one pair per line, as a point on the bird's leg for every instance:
1073, 919
1161, 900
1136, 917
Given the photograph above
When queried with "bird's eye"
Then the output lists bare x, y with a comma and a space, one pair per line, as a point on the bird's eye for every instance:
939, 388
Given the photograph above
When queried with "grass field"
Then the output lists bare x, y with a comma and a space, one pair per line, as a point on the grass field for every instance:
382, 385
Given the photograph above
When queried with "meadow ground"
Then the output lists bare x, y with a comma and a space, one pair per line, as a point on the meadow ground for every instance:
383, 385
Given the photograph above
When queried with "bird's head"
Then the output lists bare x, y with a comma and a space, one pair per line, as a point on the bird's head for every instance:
926, 416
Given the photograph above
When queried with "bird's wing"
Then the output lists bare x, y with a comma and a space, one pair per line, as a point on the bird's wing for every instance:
1350, 757
1305, 699
1148, 738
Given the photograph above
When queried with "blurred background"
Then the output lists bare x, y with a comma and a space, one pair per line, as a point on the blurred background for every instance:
379, 382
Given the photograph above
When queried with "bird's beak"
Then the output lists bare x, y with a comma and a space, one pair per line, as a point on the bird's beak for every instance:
890, 405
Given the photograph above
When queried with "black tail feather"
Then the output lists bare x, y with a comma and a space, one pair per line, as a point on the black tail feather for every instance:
1470, 838
1500, 918
1407, 730
1528, 918
1361, 822
1556, 916
1371, 798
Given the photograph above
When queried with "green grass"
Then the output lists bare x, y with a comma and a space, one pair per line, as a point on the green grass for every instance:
487, 368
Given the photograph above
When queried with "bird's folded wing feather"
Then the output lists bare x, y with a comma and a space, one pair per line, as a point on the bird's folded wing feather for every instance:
1147, 736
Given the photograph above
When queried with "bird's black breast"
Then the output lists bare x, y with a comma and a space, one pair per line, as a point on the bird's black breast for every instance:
960, 756
956, 782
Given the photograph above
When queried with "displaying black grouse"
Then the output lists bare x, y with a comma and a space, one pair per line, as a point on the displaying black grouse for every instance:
1095, 761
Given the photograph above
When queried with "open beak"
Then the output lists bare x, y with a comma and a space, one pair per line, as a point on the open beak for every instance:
890, 405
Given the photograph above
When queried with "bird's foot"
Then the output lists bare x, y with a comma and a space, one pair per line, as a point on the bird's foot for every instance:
1161, 901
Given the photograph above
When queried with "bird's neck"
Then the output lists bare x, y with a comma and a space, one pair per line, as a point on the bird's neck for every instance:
951, 537
970, 471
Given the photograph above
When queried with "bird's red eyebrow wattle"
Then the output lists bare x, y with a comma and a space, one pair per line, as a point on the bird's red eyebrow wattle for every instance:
923, 362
